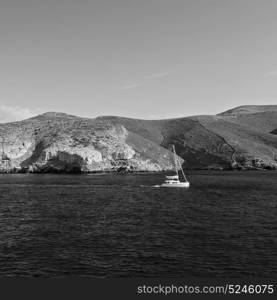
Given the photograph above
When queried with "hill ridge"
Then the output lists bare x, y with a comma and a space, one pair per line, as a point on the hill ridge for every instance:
243, 137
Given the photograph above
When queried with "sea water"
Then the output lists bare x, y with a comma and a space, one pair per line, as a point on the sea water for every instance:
108, 225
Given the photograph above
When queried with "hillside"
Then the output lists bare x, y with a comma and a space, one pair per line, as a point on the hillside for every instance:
242, 138
249, 109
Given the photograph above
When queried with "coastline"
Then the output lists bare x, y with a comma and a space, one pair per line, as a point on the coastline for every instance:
114, 172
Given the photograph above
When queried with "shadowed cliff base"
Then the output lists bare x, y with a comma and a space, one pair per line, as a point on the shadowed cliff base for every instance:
240, 138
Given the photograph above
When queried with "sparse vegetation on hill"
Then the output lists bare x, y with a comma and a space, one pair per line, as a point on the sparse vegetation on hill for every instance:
240, 138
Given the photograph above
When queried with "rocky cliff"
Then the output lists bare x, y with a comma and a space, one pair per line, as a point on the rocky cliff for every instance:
240, 138
56, 142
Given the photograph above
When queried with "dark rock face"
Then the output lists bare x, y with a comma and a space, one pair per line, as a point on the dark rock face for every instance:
274, 131
242, 138
199, 147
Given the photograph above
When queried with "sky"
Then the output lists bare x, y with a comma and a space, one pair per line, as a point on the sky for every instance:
146, 59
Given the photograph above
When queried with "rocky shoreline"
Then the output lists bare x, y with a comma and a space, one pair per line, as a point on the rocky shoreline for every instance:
124, 171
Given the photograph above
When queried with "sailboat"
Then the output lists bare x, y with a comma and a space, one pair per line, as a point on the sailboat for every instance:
174, 181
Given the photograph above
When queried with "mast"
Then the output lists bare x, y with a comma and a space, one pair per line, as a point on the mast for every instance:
2, 144
175, 162
183, 173
4, 156
176, 159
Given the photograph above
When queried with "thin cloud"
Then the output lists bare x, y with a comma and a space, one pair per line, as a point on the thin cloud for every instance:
15, 113
144, 80
271, 73
156, 75
130, 86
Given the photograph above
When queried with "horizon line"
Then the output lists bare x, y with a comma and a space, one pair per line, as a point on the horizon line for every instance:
134, 118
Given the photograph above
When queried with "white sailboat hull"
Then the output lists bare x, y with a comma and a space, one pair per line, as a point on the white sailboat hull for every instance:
176, 184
